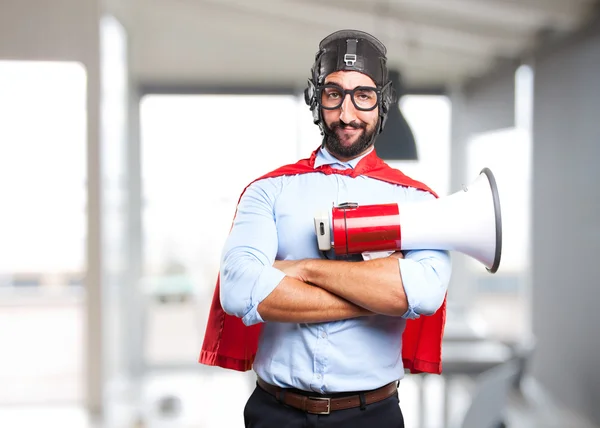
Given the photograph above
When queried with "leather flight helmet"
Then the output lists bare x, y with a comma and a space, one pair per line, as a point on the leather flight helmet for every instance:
350, 50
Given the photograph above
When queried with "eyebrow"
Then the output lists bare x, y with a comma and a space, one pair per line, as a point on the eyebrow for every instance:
330, 82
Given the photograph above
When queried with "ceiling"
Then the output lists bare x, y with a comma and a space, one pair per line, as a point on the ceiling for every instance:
434, 43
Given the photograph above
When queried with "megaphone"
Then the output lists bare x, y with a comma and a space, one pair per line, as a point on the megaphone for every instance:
468, 221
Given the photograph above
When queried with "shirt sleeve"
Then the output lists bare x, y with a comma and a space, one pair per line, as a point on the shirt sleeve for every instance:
425, 273
247, 272
425, 276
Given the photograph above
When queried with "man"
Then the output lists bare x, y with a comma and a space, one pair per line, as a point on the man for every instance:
326, 336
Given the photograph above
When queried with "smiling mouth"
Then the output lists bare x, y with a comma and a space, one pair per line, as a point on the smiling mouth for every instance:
348, 136
349, 130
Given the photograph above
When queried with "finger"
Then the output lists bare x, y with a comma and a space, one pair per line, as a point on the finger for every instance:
397, 255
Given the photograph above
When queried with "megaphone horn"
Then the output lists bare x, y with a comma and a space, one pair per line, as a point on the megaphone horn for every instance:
468, 221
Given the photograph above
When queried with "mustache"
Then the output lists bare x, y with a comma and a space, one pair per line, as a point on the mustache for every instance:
354, 124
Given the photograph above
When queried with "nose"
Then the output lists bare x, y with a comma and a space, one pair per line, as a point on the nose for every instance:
348, 111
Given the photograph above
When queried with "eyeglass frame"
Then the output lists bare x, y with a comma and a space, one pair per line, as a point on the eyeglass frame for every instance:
350, 92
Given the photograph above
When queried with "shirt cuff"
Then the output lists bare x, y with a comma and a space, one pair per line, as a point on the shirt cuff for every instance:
412, 277
265, 284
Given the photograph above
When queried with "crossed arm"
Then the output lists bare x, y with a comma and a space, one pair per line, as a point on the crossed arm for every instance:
257, 288
315, 290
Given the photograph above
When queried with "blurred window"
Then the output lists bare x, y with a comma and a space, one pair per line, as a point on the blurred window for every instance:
508, 153
429, 118
198, 154
43, 229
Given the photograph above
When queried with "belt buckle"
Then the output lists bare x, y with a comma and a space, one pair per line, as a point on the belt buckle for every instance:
328, 400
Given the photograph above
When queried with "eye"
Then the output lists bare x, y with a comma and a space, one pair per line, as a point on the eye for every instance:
365, 95
331, 97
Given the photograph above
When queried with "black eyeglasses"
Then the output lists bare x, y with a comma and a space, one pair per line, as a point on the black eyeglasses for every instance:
364, 98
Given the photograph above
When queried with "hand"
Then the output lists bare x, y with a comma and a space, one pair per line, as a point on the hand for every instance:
397, 255
292, 268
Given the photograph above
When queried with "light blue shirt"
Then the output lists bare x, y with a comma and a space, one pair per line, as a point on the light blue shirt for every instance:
274, 220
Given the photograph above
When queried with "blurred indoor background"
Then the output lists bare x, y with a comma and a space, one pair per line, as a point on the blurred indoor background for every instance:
128, 129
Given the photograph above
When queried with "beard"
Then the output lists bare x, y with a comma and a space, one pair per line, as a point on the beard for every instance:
334, 145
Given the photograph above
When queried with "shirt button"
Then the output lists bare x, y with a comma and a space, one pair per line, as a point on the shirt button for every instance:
323, 335
318, 376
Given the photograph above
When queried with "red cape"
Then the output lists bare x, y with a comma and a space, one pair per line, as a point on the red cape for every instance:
228, 343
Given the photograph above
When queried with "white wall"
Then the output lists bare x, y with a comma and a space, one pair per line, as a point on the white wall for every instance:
566, 223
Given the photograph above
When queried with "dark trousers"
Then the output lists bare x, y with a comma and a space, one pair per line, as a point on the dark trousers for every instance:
264, 411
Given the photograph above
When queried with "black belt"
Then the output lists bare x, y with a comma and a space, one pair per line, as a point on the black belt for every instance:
323, 405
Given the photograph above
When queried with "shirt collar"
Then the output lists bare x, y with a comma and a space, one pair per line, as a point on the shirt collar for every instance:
326, 158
